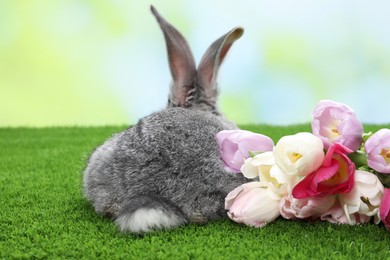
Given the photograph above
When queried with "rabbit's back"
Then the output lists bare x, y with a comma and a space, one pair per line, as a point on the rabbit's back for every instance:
171, 154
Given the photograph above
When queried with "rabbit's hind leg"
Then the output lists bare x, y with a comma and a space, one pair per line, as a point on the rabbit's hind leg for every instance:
147, 212
206, 207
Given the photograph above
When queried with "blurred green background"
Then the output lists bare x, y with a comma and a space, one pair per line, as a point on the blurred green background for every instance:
91, 62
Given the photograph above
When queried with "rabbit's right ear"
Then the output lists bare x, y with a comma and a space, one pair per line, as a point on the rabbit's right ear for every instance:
181, 63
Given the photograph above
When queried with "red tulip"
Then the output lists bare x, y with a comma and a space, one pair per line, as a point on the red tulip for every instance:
336, 175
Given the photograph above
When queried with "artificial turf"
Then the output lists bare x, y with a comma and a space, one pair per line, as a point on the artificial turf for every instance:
43, 213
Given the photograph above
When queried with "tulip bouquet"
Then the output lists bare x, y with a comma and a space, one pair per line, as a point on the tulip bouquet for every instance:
337, 173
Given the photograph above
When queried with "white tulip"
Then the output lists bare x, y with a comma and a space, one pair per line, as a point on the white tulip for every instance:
364, 198
263, 166
298, 154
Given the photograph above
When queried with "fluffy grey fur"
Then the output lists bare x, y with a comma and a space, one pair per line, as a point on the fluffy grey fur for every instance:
166, 170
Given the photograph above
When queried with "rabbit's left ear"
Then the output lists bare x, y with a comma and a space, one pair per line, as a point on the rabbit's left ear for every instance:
212, 60
181, 62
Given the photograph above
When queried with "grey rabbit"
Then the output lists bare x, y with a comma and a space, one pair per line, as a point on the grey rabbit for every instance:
166, 170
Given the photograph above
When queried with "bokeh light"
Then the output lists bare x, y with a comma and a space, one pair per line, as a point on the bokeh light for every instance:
104, 62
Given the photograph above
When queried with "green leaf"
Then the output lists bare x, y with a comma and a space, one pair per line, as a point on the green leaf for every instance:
359, 158
384, 178
254, 153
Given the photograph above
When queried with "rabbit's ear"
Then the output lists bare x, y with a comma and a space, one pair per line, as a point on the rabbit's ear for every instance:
181, 62
212, 60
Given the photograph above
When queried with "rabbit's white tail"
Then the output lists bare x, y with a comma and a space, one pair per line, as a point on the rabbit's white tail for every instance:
147, 213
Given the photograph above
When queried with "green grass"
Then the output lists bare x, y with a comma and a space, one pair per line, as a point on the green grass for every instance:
43, 213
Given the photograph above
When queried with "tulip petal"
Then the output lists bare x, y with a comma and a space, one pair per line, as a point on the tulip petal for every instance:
385, 208
249, 170
279, 175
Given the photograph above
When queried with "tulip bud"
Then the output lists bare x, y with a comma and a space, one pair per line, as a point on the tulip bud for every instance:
235, 145
378, 151
252, 204
334, 122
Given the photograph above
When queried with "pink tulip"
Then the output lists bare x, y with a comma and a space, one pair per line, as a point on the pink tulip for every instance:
252, 204
385, 208
335, 122
235, 146
378, 151
291, 208
336, 175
